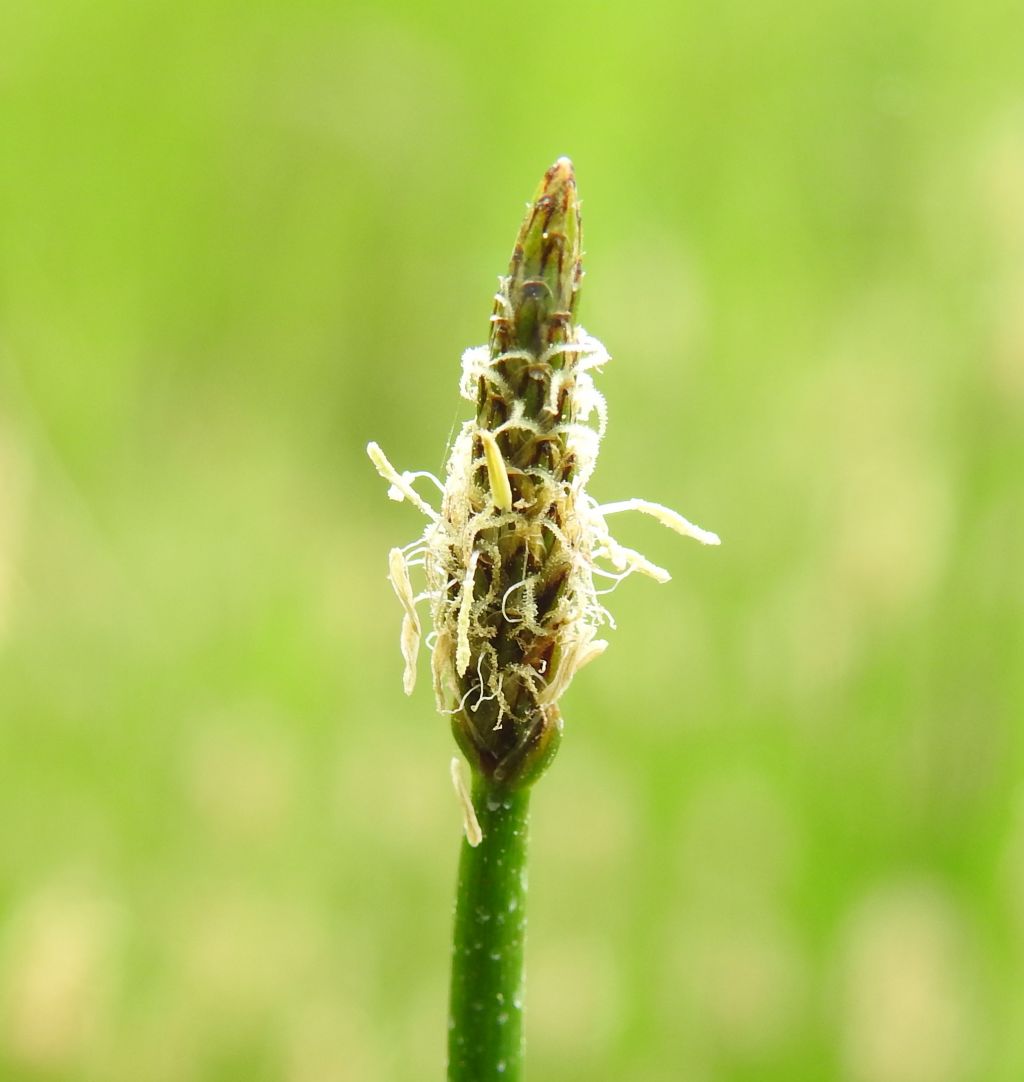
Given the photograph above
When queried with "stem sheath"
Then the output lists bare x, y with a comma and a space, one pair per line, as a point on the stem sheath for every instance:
485, 1024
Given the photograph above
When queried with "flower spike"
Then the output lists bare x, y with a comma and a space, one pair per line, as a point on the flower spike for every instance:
511, 557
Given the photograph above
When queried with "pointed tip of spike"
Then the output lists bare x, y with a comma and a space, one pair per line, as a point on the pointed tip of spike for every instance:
562, 168
560, 178
546, 267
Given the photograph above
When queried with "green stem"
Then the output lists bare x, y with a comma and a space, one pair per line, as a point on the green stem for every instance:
485, 1024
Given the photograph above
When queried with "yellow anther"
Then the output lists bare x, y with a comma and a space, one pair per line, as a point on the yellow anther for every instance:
501, 490
462, 649
666, 516
400, 488
410, 641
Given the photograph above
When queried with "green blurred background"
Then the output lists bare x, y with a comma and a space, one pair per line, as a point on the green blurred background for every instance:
784, 838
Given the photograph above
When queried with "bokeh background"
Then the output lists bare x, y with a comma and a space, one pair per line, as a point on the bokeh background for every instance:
784, 838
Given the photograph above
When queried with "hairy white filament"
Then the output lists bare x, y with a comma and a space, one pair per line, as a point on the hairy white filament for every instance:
453, 541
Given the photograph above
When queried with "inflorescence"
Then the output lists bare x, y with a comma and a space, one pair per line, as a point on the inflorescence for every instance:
518, 557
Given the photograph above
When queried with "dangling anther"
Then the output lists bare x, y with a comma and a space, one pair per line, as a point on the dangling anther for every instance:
470, 823
400, 488
462, 653
666, 516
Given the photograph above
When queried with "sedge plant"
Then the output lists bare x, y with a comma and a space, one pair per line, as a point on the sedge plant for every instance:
514, 563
